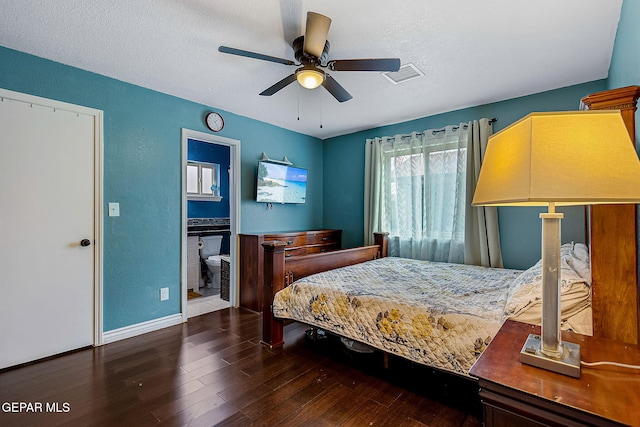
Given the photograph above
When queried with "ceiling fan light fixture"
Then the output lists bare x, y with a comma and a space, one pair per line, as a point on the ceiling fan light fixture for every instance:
309, 77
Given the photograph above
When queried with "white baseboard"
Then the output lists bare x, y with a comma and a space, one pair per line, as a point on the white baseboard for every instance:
141, 328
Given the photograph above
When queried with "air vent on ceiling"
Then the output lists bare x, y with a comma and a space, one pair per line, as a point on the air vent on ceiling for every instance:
405, 73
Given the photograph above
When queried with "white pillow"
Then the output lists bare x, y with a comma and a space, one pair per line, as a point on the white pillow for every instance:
524, 300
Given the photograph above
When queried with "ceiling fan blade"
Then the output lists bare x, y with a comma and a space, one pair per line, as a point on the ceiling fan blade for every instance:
316, 33
335, 89
278, 86
378, 64
240, 52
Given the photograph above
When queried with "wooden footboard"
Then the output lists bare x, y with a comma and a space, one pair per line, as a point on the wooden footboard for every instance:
280, 272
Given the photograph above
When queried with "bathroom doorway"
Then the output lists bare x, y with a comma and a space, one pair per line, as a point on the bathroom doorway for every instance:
210, 222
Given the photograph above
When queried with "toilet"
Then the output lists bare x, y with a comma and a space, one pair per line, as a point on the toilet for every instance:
210, 255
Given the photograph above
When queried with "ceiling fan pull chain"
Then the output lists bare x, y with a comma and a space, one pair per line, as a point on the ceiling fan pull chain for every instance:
298, 93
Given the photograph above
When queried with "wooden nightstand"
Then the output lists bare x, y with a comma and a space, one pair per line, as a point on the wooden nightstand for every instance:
513, 393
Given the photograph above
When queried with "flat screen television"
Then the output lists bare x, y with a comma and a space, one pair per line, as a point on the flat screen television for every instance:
278, 183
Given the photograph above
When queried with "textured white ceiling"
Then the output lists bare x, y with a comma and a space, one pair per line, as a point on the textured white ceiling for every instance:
471, 52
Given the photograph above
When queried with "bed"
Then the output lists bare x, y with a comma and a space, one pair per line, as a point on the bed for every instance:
437, 314
602, 284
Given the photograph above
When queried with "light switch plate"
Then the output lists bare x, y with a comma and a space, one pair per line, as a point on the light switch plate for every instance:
114, 209
164, 294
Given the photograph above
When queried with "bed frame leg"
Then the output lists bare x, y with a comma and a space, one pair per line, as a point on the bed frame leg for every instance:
385, 360
272, 328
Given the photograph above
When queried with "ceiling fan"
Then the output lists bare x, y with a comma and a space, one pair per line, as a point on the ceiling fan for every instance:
311, 50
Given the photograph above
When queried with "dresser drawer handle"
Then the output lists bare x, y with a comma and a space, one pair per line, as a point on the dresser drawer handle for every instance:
288, 255
323, 250
324, 239
290, 242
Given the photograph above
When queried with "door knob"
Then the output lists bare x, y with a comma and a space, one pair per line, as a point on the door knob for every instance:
85, 242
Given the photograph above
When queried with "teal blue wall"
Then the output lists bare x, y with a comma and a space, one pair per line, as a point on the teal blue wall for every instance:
625, 62
519, 227
142, 149
305, 152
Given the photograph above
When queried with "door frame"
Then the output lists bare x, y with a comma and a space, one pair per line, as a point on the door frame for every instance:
98, 177
234, 210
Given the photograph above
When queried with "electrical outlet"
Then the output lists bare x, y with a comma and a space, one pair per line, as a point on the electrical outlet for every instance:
164, 294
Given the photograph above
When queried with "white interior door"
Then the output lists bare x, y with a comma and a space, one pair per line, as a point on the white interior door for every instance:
46, 211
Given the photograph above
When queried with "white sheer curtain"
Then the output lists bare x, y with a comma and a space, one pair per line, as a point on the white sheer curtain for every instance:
419, 187
415, 190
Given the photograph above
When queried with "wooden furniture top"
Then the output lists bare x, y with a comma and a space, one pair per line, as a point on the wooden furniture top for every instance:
298, 238
607, 391
622, 99
273, 235
299, 243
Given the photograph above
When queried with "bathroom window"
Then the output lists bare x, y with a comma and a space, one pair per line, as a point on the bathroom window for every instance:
203, 181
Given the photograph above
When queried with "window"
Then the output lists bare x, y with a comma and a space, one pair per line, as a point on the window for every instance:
422, 194
422, 201
419, 187
203, 180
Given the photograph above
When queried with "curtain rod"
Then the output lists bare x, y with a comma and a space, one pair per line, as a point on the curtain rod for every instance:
433, 132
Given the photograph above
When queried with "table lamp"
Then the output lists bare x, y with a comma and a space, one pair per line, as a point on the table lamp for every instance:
558, 159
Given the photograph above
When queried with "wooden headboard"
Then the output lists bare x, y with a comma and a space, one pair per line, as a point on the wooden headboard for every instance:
613, 240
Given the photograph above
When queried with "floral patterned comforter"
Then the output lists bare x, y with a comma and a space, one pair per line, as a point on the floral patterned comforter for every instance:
437, 314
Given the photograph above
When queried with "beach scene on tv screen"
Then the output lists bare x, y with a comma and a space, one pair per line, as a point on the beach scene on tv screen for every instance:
281, 184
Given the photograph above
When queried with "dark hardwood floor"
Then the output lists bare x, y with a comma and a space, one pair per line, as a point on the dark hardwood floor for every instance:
213, 371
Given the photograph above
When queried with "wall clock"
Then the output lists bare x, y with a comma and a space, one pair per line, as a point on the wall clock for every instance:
215, 122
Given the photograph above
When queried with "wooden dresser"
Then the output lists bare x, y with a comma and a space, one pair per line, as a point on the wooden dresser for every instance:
299, 243
515, 394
